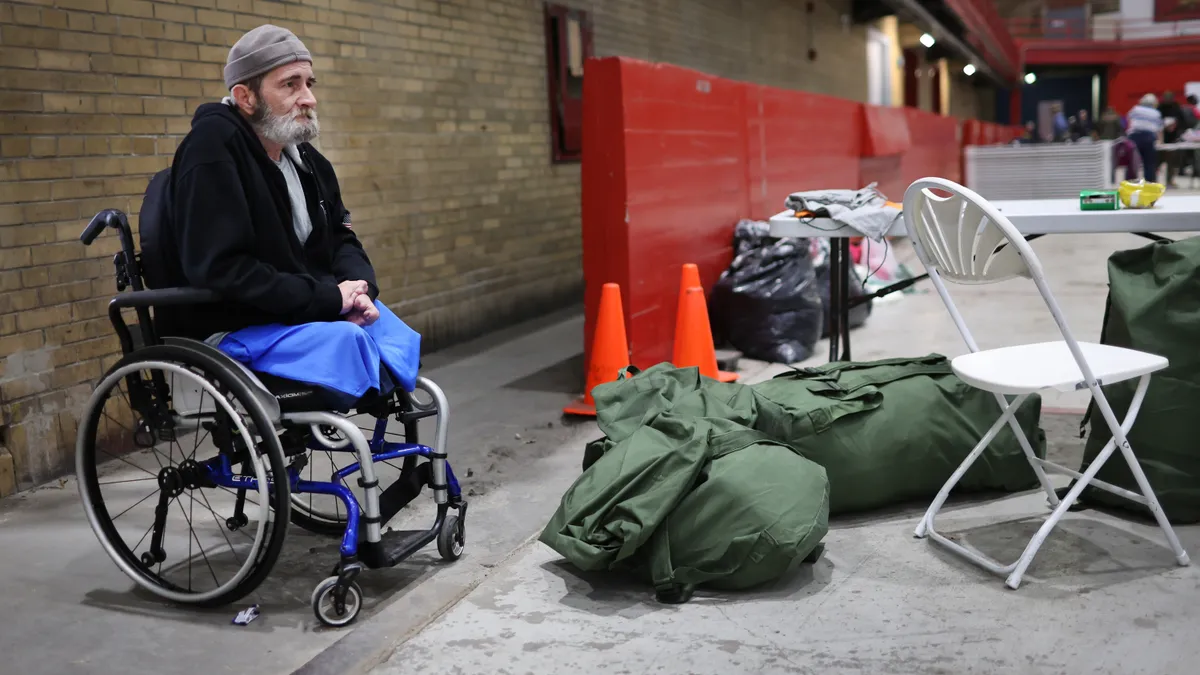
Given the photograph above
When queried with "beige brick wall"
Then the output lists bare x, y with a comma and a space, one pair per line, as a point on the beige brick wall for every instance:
967, 100
436, 119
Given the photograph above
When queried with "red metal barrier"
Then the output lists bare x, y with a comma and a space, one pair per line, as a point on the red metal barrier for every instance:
673, 158
797, 139
887, 138
686, 166
603, 189
935, 147
664, 180
885, 131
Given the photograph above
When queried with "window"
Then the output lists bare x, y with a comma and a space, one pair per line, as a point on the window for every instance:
568, 45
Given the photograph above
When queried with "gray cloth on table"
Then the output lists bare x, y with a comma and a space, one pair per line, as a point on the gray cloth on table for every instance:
864, 210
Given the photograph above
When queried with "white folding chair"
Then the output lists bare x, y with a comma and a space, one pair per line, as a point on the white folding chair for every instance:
964, 239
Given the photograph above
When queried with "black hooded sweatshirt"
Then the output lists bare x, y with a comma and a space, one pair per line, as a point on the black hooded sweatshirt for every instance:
231, 232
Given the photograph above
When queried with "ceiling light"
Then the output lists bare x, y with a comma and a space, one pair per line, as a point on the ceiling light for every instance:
969, 69
927, 40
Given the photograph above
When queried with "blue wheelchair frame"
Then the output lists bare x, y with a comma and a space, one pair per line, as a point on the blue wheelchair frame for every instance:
221, 473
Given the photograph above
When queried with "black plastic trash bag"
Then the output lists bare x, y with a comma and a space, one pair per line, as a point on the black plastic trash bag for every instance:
767, 303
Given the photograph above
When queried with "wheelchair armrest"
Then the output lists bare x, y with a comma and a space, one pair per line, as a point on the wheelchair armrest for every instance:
164, 297
142, 301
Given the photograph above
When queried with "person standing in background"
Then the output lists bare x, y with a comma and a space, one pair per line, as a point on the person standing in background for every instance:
1174, 124
1145, 129
1060, 127
1081, 126
1110, 126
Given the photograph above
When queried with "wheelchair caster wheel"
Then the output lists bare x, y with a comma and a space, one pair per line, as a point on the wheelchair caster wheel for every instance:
329, 609
451, 538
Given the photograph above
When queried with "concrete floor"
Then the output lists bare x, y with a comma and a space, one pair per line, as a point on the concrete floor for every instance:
878, 602
68, 609
1104, 594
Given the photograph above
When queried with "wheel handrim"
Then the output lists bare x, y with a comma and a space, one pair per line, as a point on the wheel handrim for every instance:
101, 522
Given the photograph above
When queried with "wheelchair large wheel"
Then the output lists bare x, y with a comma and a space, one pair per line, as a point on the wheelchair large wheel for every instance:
218, 438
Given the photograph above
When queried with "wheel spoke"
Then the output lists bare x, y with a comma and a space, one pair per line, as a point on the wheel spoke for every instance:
202, 553
127, 480
221, 528
135, 504
114, 430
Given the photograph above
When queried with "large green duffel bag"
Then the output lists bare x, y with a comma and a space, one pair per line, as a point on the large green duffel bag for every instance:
759, 509
682, 491
1154, 306
894, 430
699, 482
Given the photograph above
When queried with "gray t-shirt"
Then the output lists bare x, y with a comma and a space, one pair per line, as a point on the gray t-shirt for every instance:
300, 219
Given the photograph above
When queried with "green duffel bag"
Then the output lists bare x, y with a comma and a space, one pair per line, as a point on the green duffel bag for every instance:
1154, 306
760, 509
682, 491
894, 430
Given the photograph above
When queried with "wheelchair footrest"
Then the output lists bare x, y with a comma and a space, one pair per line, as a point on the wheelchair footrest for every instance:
394, 547
400, 493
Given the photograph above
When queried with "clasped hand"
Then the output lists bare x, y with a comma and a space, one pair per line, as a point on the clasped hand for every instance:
357, 307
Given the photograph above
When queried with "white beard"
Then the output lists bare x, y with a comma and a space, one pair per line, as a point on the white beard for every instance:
286, 130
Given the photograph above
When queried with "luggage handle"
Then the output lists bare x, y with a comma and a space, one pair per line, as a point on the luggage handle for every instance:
829, 370
828, 375
822, 419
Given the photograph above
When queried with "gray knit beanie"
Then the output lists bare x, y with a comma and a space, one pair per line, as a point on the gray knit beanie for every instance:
262, 50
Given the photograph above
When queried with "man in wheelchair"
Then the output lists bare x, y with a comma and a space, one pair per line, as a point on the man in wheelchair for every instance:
266, 302
256, 215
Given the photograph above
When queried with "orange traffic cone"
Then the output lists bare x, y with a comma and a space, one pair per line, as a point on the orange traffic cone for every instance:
694, 343
691, 279
610, 349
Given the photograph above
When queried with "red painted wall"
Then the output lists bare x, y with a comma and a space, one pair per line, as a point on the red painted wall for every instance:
673, 158
1127, 84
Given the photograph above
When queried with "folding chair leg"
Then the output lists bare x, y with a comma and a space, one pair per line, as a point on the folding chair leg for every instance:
1016, 571
1029, 454
926, 524
1120, 435
1119, 439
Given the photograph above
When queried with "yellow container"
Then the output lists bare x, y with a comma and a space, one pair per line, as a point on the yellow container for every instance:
1139, 194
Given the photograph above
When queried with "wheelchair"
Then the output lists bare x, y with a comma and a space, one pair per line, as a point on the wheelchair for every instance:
262, 432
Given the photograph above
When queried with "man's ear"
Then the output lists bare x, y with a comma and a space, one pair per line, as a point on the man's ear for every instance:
244, 98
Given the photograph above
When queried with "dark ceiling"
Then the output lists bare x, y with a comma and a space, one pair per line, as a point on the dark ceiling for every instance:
866, 11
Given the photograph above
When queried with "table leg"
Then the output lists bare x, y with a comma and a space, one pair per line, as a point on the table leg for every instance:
835, 297
847, 268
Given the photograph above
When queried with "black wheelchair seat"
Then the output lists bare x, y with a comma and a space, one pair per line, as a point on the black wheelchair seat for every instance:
294, 396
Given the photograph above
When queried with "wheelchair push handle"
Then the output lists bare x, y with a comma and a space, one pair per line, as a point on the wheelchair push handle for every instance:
108, 218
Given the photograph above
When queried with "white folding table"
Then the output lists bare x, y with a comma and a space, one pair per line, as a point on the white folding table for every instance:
1032, 218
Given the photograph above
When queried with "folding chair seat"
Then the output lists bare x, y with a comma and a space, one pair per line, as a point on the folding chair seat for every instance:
964, 239
1026, 369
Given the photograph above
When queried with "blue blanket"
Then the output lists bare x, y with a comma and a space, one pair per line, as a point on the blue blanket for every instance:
338, 356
